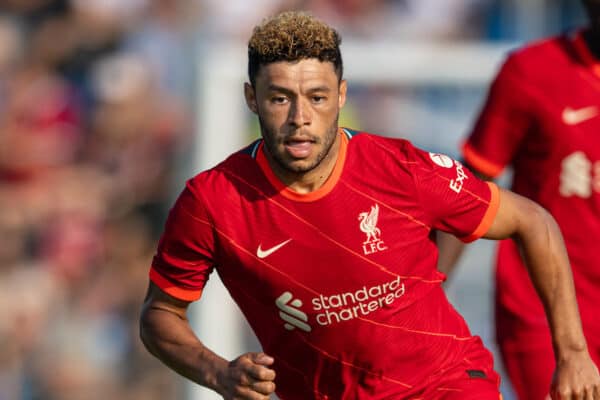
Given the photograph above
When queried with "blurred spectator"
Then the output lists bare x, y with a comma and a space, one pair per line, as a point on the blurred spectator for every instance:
375, 19
398, 19
163, 40
40, 125
134, 129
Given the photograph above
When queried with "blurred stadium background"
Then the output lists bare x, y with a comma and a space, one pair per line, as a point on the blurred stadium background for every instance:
107, 106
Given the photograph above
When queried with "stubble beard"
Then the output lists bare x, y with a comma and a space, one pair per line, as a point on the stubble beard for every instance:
327, 141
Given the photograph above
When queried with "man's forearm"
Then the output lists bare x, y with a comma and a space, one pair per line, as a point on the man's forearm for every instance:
550, 272
170, 339
548, 265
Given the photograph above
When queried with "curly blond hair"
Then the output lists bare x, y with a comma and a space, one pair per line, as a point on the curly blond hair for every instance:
293, 36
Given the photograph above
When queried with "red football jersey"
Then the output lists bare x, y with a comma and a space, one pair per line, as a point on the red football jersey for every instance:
339, 285
542, 117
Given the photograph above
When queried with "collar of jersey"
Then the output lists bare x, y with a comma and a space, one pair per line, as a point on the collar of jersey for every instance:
585, 54
316, 194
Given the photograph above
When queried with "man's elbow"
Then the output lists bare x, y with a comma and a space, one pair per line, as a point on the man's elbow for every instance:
145, 331
536, 224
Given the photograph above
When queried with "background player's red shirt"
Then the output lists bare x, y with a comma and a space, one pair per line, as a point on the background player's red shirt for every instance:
339, 285
542, 117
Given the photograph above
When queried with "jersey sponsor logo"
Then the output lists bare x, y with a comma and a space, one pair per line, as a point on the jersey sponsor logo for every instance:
339, 307
346, 306
290, 313
368, 224
260, 253
442, 160
457, 183
579, 176
571, 116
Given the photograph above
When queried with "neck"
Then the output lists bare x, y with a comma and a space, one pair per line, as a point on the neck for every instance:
307, 182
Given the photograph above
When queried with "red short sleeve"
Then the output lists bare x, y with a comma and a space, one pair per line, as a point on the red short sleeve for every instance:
454, 199
502, 123
184, 258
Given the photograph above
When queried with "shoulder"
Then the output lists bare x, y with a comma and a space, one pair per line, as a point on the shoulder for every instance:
542, 56
370, 144
395, 157
242, 162
543, 47
406, 153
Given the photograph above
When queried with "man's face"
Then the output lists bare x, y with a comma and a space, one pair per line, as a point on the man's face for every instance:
297, 104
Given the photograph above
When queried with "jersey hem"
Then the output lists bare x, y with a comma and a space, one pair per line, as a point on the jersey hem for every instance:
166, 286
488, 217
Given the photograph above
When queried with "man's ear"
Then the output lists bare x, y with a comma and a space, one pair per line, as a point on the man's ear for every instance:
250, 96
342, 93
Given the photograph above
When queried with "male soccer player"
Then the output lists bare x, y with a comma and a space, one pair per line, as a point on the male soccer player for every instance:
324, 237
542, 117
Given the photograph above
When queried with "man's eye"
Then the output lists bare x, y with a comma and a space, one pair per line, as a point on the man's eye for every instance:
279, 100
318, 99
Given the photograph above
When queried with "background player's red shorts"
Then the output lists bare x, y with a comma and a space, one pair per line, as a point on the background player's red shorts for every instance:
530, 370
528, 355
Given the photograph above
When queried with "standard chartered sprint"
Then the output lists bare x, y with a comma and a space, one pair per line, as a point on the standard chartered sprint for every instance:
350, 305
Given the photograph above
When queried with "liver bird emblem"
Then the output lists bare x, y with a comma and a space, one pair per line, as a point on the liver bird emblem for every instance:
368, 224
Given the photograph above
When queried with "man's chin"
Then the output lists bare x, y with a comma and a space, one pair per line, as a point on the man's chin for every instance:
299, 166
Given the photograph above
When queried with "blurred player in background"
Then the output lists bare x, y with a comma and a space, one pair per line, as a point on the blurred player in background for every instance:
324, 238
542, 117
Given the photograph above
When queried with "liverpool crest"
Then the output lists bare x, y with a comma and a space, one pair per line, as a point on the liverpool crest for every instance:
368, 224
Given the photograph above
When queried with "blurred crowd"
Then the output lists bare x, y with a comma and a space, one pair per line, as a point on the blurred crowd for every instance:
95, 131
92, 118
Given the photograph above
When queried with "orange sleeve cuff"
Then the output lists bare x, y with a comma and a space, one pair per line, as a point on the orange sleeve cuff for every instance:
488, 217
166, 286
479, 163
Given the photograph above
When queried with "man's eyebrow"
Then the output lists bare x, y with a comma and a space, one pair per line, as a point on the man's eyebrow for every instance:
319, 89
277, 88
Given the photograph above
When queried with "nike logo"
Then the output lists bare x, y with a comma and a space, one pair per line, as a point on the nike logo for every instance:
572, 116
260, 253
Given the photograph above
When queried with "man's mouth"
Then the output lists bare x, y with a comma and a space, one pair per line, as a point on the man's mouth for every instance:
298, 147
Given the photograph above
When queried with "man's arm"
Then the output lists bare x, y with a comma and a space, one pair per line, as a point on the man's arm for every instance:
167, 334
536, 231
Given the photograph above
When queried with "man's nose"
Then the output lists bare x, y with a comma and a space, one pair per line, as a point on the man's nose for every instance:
299, 113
